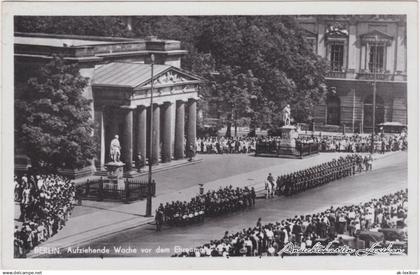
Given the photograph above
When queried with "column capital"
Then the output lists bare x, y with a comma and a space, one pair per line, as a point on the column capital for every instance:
182, 100
126, 107
193, 99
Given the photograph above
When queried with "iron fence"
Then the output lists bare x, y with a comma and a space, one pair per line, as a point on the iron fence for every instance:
306, 149
274, 148
104, 189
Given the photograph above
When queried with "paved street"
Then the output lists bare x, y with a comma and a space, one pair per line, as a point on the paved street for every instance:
215, 167
102, 220
212, 167
389, 175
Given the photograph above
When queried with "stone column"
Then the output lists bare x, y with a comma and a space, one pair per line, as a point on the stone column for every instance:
127, 140
102, 137
367, 58
321, 38
363, 57
192, 122
179, 130
352, 51
156, 134
400, 50
167, 137
141, 133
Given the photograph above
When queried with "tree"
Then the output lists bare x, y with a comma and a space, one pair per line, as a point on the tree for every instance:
53, 118
274, 48
233, 93
91, 25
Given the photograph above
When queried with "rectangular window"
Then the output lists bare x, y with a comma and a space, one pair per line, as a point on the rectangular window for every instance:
377, 58
337, 57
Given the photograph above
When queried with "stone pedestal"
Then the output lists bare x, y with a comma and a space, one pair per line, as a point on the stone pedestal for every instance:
288, 136
115, 174
288, 143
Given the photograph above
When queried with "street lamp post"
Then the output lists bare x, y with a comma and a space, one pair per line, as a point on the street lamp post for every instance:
149, 183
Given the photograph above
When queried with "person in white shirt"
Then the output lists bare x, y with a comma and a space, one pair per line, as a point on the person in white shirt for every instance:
303, 244
270, 234
268, 189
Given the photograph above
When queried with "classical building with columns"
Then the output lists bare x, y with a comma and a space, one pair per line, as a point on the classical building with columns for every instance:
119, 71
121, 93
361, 50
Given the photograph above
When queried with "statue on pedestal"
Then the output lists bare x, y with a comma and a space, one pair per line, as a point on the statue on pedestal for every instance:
286, 115
115, 149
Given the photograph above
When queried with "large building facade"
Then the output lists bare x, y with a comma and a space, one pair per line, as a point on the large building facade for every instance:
362, 51
120, 76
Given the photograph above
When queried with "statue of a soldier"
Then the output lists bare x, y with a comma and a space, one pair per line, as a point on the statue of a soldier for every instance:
286, 115
115, 149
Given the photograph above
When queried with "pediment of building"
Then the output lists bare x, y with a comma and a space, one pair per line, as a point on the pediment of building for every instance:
172, 77
376, 36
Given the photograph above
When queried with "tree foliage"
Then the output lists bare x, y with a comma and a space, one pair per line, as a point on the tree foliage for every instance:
233, 92
274, 48
53, 118
76, 25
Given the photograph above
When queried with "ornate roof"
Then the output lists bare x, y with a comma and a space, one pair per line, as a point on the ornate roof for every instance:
137, 76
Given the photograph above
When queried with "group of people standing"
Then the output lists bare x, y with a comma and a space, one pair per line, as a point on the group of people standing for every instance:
359, 143
46, 202
321, 174
225, 145
385, 217
212, 203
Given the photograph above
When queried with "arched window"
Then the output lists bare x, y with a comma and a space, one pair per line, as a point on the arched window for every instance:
333, 109
368, 114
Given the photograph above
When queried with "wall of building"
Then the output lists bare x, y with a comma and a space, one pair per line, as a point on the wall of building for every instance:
356, 26
352, 96
354, 84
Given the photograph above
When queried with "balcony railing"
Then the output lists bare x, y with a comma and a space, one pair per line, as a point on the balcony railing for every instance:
333, 74
364, 75
371, 76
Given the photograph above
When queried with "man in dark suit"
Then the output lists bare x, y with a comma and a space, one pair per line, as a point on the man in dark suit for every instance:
139, 162
159, 220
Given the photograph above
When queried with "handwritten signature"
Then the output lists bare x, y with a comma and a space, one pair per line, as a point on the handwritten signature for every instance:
329, 249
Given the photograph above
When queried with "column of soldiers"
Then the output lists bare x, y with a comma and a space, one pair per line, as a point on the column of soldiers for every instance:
212, 203
302, 180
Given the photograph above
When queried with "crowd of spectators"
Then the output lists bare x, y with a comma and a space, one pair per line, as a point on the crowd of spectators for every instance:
225, 145
321, 174
46, 202
212, 203
382, 220
358, 143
